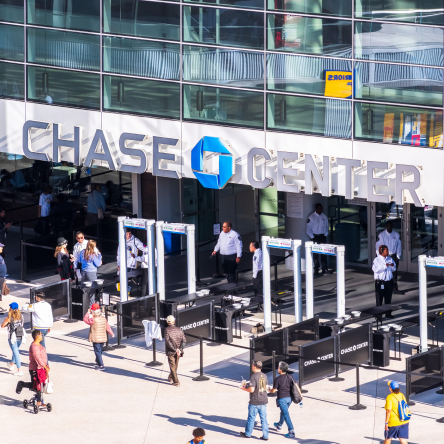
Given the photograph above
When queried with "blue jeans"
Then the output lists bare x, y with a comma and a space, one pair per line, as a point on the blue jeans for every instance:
98, 349
253, 410
284, 404
16, 353
44, 333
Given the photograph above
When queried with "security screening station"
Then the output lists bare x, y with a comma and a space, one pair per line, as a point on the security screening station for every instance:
140, 224
284, 244
329, 250
185, 229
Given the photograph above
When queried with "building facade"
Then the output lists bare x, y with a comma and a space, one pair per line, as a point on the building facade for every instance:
248, 110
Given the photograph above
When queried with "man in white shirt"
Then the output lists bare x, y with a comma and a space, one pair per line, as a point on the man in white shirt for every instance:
78, 248
230, 246
393, 241
42, 318
258, 285
133, 245
383, 268
317, 231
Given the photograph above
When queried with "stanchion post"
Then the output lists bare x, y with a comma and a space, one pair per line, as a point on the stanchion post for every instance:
217, 275
154, 362
358, 405
22, 261
251, 356
273, 363
201, 376
107, 346
70, 319
119, 321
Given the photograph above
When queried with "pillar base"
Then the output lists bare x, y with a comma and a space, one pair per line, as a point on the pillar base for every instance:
70, 321
357, 407
119, 346
441, 420
336, 379
153, 364
108, 348
201, 378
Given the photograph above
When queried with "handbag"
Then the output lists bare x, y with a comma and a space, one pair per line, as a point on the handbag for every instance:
295, 395
5, 289
48, 388
100, 214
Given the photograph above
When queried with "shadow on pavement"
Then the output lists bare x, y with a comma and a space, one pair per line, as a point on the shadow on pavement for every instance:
10, 402
378, 440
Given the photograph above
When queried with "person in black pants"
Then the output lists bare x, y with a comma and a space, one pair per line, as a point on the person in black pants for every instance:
383, 267
317, 231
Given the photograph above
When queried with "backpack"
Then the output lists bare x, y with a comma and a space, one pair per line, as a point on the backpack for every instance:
404, 410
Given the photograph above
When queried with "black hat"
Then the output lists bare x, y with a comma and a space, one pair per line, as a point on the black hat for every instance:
61, 241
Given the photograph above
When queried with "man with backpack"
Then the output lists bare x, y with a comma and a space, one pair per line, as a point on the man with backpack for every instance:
397, 415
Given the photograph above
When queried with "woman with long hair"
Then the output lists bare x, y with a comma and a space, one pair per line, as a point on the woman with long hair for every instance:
65, 265
91, 259
16, 326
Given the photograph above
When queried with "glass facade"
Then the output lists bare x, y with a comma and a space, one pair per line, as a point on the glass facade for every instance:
278, 65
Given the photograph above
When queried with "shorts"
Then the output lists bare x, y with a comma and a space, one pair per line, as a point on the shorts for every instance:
401, 431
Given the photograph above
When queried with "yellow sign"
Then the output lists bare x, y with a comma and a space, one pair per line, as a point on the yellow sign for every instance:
338, 84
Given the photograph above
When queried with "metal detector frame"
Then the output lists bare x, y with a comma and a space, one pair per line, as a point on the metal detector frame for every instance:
282, 244
329, 250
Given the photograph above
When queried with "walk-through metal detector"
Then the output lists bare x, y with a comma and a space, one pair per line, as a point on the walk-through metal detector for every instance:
189, 231
140, 224
423, 262
283, 244
329, 250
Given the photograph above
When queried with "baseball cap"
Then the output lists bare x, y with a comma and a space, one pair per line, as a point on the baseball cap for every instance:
393, 385
170, 319
95, 307
14, 306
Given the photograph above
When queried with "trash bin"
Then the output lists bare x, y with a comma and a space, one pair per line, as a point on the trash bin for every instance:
79, 302
381, 349
223, 328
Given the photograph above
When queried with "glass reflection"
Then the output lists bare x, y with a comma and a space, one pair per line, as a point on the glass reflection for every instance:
12, 45
247, 4
12, 79
12, 11
424, 232
338, 8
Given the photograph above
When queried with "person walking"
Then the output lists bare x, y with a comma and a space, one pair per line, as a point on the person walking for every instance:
393, 241
174, 344
42, 318
282, 385
78, 247
230, 246
395, 428
3, 229
258, 284
198, 434
3, 273
65, 265
383, 267
96, 205
317, 231
16, 333
91, 260
97, 332
133, 246
258, 401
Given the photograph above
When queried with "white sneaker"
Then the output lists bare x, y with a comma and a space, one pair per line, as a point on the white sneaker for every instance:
10, 366
18, 373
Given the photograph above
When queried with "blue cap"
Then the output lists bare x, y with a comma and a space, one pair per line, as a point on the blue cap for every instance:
14, 306
393, 385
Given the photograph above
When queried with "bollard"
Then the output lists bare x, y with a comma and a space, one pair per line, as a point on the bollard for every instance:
201, 377
154, 362
119, 345
107, 346
358, 405
273, 363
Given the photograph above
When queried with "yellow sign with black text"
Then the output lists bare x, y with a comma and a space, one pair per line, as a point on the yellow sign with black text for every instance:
338, 84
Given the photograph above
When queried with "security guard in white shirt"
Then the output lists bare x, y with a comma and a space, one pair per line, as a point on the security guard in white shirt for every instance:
383, 268
132, 246
317, 231
393, 241
258, 284
230, 246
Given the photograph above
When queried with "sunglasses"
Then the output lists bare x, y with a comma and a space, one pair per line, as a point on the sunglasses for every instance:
78, 238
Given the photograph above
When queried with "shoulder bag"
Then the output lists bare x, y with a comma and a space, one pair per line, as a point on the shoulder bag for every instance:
295, 394
100, 214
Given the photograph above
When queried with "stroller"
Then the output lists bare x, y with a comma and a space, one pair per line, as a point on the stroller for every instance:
38, 397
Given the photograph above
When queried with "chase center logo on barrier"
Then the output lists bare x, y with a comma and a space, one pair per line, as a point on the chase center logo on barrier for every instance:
213, 145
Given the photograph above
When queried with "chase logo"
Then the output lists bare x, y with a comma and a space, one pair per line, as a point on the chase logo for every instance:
213, 145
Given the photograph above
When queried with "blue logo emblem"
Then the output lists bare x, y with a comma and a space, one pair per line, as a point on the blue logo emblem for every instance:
213, 145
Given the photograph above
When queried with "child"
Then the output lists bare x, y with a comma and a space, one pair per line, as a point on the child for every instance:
198, 434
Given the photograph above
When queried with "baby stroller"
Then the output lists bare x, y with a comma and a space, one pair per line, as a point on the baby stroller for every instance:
38, 397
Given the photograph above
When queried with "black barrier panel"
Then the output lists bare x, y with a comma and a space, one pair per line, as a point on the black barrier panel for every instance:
354, 346
197, 321
41, 258
166, 309
57, 295
429, 364
313, 366
264, 346
300, 334
134, 312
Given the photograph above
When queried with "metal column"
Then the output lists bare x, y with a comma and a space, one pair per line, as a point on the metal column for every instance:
191, 258
122, 260
297, 280
422, 303
340, 279
309, 288
151, 257
267, 283
160, 243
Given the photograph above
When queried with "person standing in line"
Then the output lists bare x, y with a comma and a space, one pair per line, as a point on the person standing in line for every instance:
65, 266
91, 260
45, 208
16, 325
258, 401
95, 202
78, 247
394, 427
317, 231
258, 284
3, 273
282, 385
97, 332
42, 318
383, 267
145, 265
198, 434
3, 229
174, 343
230, 246
133, 245
393, 241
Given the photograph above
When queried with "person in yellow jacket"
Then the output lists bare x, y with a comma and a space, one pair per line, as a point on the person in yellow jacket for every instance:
198, 434
394, 427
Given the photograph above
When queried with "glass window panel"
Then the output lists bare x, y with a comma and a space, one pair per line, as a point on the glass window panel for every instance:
429, 12
137, 96
309, 75
223, 67
66, 49
339, 8
223, 106
322, 117
12, 11
307, 35
247, 4
398, 84
141, 58
12, 79
398, 124
142, 18
12, 43
424, 231
59, 87
224, 27
70, 14
389, 42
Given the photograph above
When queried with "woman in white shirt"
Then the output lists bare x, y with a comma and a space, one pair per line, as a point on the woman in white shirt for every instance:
383, 268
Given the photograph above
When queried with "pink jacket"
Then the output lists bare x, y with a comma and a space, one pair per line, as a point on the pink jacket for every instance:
38, 358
